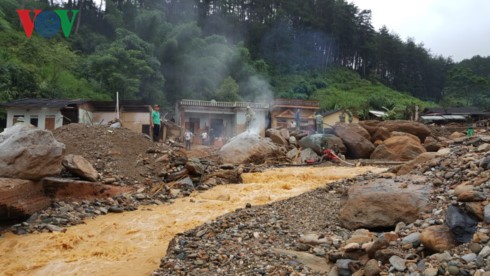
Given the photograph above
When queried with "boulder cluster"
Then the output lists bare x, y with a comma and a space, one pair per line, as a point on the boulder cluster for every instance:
429, 216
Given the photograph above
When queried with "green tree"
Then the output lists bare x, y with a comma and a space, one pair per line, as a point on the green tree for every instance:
228, 91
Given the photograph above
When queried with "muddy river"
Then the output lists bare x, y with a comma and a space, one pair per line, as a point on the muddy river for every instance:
133, 243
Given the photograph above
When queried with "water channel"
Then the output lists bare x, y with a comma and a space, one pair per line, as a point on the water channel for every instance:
132, 243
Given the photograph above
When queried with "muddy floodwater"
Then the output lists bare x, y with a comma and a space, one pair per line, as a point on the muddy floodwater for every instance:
132, 243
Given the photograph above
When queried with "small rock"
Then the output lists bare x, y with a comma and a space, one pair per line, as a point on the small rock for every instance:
485, 252
475, 247
115, 209
371, 268
469, 257
430, 271
453, 270
413, 239
398, 263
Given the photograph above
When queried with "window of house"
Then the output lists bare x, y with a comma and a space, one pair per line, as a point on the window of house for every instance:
34, 120
16, 117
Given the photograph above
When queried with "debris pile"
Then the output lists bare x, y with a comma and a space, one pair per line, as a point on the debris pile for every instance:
445, 231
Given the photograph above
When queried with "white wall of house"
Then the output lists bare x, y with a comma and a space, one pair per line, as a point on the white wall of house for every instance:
103, 117
135, 120
41, 114
85, 116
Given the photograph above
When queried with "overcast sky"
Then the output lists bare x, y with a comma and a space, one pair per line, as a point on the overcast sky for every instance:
453, 28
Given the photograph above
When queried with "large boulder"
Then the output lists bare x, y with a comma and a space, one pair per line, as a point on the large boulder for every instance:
317, 142
419, 160
398, 148
381, 134
438, 238
21, 198
27, 152
276, 136
80, 166
384, 203
248, 147
356, 139
418, 129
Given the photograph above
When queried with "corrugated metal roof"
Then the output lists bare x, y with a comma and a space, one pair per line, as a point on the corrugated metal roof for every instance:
443, 117
50, 103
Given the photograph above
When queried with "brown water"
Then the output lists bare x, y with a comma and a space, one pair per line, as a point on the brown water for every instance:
133, 243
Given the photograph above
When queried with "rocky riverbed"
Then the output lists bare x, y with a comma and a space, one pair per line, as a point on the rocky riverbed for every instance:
306, 236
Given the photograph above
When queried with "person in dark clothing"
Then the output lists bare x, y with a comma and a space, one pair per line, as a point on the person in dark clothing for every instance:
155, 122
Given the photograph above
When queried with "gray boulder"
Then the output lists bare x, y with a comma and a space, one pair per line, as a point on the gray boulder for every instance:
27, 152
318, 141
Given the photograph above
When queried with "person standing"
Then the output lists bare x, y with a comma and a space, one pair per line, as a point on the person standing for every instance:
297, 118
188, 138
155, 122
319, 123
204, 137
249, 118
211, 137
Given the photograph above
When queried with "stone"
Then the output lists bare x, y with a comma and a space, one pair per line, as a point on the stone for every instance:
293, 154
361, 236
413, 239
399, 133
475, 247
437, 238
276, 136
431, 144
453, 270
419, 160
27, 152
382, 133
418, 129
184, 184
398, 148
383, 203
466, 193
398, 263
485, 163
484, 252
461, 224
194, 167
483, 148
372, 268
486, 214
469, 257
247, 147
318, 142
430, 271
80, 166
358, 145
308, 155
455, 135
285, 133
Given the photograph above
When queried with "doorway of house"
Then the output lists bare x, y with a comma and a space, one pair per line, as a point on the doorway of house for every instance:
217, 126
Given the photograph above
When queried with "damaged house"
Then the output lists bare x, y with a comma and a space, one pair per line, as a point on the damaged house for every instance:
227, 119
53, 113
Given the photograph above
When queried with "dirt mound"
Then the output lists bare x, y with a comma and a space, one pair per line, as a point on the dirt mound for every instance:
115, 152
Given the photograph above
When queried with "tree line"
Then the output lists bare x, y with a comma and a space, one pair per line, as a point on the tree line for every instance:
163, 51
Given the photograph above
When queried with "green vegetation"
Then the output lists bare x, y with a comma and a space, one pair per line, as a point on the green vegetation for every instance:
163, 51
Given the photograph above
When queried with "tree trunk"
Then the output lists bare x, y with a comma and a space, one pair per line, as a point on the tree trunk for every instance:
80, 7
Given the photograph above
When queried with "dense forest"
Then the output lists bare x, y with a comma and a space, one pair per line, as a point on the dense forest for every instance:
161, 51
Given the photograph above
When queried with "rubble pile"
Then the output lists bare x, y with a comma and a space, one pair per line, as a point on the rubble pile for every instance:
132, 171
444, 230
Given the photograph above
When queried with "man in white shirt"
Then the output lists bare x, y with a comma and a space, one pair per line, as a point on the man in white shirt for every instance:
204, 137
188, 137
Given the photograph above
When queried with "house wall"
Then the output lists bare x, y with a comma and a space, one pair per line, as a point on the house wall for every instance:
103, 117
135, 120
305, 115
31, 113
233, 121
331, 119
85, 114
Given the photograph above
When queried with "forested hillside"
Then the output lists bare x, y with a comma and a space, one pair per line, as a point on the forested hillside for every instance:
162, 51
